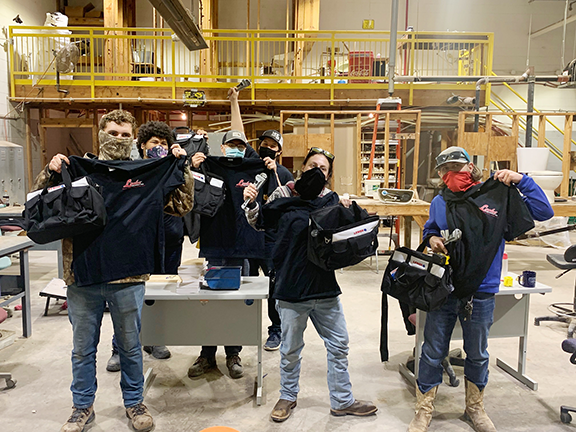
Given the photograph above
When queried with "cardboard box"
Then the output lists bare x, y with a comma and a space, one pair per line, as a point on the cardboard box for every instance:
88, 8
93, 14
74, 11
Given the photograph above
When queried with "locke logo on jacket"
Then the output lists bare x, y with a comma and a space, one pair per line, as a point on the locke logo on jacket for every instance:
489, 211
132, 184
242, 183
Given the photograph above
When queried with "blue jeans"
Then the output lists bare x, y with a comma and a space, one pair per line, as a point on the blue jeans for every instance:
437, 334
327, 316
85, 309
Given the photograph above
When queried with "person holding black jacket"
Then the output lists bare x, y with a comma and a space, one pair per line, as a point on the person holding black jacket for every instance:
488, 214
269, 150
304, 290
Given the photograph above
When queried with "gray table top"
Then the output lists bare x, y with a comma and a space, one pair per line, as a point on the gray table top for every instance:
13, 244
252, 288
11, 211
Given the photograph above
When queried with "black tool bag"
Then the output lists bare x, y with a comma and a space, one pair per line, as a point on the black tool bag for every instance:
66, 210
420, 280
191, 143
209, 192
340, 237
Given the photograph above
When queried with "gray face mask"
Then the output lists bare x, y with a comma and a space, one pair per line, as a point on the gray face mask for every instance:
114, 148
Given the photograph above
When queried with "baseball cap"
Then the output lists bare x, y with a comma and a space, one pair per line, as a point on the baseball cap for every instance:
452, 154
234, 135
273, 134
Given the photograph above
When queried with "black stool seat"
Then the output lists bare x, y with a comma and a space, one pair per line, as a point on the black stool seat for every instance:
557, 260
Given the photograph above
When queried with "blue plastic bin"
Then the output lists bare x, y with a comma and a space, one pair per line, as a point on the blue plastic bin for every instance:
223, 278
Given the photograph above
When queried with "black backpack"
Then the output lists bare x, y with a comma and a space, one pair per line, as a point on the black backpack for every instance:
66, 210
341, 237
189, 142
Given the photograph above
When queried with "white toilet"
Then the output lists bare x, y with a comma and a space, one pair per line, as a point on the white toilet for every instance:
533, 161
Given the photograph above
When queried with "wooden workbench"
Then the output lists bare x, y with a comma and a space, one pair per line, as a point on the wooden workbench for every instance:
418, 210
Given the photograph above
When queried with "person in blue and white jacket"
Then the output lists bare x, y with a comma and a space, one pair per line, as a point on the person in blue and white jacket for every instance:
488, 214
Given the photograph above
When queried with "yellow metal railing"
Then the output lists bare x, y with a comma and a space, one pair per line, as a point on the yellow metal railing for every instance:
145, 57
503, 106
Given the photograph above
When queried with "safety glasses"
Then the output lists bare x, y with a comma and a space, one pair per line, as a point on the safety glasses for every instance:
318, 150
455, 156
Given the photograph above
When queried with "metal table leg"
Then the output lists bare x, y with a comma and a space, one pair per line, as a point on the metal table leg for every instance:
259, 378
26, 312
519, 373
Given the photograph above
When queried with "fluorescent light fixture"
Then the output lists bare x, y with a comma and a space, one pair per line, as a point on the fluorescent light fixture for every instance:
182, 22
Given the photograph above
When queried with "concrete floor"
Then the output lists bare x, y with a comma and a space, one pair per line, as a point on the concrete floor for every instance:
41, 364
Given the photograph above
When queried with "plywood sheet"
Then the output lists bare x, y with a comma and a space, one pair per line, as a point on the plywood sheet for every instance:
295, 145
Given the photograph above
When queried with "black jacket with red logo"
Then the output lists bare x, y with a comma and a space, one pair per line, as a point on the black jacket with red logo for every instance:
132, 241
485, 213
228, 234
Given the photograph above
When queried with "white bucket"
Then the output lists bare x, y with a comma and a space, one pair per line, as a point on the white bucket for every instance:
532, 159
371, 187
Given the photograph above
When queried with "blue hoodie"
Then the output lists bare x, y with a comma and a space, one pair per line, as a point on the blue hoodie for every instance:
537, 204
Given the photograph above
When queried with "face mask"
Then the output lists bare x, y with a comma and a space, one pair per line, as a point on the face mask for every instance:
458, 181
114, 148
157, 152
234, 152
265, 152
310, 184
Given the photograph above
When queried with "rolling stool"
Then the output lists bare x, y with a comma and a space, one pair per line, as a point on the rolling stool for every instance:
564, 312
10, 383
569, 346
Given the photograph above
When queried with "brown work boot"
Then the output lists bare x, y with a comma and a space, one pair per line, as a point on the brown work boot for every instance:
234, 366
201, 366
475, 409
282, 410
140, 417
358, 408
79, 419
424, 409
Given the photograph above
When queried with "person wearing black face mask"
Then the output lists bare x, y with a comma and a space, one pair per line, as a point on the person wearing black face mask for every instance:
304, 290
269, 150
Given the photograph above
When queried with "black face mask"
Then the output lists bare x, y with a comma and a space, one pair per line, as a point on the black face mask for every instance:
310, 184
265, 152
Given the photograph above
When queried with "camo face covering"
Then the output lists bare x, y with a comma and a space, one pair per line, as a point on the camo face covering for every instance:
114, 148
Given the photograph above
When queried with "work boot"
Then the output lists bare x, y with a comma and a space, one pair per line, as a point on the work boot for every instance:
282, 410
159, 352
201, 366
140, 417
424, 409
79, 419
358, 408
475, 409
113, 364
234, 366
273, 342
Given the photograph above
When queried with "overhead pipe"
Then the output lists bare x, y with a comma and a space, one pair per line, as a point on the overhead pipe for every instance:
486, 80
393, 46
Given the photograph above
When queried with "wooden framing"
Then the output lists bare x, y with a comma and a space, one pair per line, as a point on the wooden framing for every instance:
503, 148
303, 145
118, 52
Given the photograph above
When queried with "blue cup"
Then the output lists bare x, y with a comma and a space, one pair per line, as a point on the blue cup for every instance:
527, 279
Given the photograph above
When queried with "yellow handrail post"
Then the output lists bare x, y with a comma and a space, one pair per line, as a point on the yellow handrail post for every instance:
489, 65
173, 69
252, 71
12, 63
92, 65
332, 68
